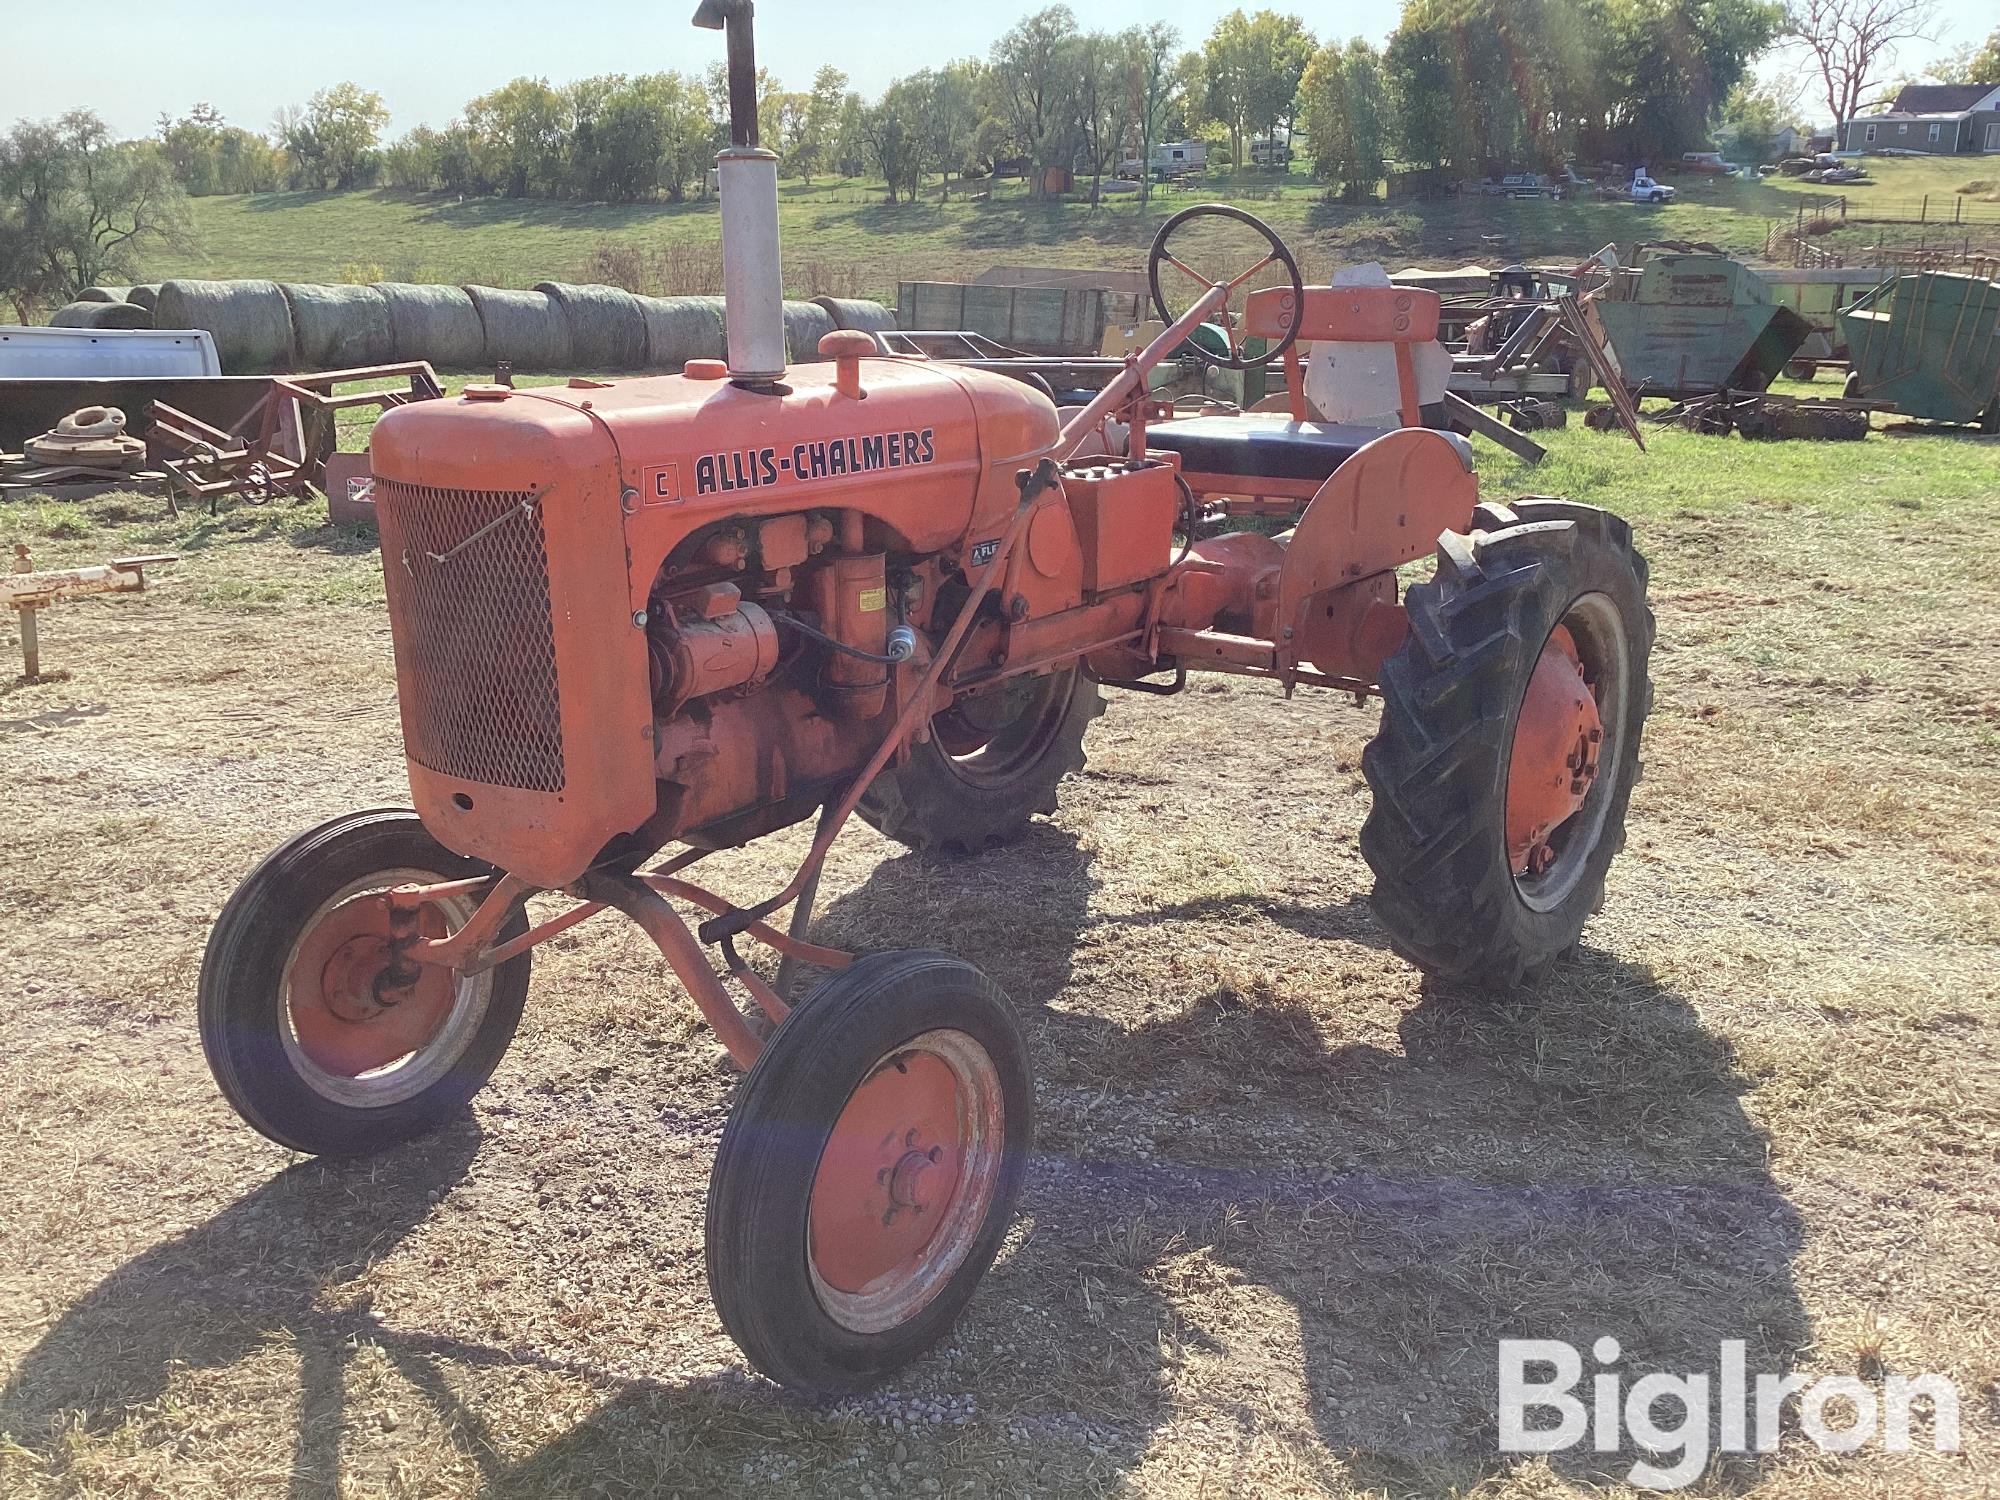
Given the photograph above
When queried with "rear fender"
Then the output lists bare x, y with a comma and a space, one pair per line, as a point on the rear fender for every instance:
1384, 507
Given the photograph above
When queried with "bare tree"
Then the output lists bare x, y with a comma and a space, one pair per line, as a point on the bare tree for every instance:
77, 208
1851, 41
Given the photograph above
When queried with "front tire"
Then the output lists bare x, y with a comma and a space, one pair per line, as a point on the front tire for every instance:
1496, 811
991, 763
869, 1170
292, 1039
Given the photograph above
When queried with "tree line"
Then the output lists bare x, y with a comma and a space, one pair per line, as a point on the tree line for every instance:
1471, 86
1462, 85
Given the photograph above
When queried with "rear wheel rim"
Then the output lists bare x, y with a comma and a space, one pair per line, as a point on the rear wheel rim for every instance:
991, 738
906, 1181
339, 1049
1592, 632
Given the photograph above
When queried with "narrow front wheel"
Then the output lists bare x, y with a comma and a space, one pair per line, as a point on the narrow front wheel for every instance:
869, 1170
306, 1030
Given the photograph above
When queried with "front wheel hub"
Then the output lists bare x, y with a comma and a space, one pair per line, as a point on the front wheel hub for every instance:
893, 1158
349, 1012
905, 1181
1557, 738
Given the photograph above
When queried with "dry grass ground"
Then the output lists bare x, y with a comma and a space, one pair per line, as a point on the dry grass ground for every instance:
1287, 1197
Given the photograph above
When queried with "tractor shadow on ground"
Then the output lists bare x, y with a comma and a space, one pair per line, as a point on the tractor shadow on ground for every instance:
358, 539
240, 523
1233, 1216
250, 1276
1229, 1199
1348, 920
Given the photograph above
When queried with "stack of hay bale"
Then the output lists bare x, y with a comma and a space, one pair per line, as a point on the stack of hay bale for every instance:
265, 327
109, 307
250, 321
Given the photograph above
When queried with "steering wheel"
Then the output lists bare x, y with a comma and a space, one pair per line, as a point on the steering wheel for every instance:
1230, 319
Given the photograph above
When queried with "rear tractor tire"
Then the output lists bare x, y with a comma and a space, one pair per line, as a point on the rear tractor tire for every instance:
1509, 741
991, 763
301, 1042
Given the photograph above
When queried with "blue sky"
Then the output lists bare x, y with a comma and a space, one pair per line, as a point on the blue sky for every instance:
248, 57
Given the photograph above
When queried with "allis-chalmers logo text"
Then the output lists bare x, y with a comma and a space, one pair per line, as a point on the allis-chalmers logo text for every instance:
752, 468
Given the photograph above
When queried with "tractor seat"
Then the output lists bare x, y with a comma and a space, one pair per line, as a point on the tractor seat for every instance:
1260, 446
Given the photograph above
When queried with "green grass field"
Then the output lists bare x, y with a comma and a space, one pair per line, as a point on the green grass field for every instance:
845, 239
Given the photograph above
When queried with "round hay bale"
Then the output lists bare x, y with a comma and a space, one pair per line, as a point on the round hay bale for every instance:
105, 294
437, 323
527, 329
339, 327
101, 315
805, 324
607, 328
856, 312
679, 329
250, 321
146, 296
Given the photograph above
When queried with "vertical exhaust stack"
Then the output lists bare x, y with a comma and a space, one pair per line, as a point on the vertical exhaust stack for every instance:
753, 283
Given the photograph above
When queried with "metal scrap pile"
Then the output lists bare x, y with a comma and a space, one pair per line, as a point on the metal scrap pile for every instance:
1758, 416
280, 436
87, 447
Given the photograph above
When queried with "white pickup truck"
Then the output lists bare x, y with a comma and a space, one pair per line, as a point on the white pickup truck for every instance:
1645, 190
28, 353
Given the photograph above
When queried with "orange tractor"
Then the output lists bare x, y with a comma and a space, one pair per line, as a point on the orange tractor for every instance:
677, 613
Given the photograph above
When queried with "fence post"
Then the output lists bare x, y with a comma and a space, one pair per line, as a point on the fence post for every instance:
1924, 209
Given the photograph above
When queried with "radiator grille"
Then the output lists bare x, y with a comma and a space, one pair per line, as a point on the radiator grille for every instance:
470, 611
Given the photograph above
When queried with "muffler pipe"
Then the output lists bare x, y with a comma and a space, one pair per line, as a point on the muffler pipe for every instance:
753, 282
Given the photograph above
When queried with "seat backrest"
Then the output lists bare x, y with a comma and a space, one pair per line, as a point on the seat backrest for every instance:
1345, 314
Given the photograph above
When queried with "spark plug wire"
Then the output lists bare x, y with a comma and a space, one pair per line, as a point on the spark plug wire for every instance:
902, 641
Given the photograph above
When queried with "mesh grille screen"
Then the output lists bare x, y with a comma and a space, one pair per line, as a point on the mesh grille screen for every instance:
473, 629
